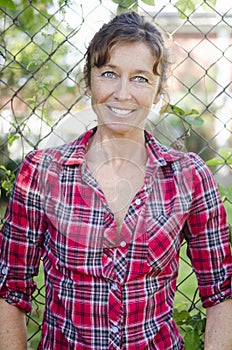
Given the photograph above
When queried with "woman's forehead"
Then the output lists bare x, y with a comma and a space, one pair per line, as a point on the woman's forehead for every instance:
112, 47
137, 52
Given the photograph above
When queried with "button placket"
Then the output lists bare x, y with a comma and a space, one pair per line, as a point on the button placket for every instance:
4, 270
114, 286
138, 201
114, 329
123, 244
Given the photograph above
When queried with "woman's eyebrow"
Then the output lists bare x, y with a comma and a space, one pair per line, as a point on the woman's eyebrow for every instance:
111, 66
145, 72
135, 71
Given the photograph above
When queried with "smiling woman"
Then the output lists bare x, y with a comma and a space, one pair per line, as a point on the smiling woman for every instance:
123, 91
126, 72
108, 214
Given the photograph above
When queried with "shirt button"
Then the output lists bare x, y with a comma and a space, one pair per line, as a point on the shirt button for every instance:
123, 244
114, 286
4, 270
114, 329
137, 201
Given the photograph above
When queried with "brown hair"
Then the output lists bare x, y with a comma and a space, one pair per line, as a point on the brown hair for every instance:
127, 27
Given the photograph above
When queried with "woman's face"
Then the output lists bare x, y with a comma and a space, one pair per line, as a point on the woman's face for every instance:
124, 89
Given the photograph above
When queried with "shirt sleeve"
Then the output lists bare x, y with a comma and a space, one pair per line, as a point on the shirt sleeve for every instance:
208, 237
21, 236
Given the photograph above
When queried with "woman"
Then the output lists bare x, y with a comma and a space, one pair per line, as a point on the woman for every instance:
108, 213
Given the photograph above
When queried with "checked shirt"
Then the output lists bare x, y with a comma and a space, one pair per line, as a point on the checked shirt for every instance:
105, 292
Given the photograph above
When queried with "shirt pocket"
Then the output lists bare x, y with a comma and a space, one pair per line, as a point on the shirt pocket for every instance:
164, 240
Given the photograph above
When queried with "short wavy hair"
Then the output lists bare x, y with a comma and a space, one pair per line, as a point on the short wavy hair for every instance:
127, 27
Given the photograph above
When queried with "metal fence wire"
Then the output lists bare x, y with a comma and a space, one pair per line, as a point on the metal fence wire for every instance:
43, 101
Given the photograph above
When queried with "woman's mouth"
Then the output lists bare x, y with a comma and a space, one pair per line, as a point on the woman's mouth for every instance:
121, 111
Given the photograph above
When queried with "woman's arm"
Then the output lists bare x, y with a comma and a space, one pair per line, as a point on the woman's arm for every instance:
218, 334
13, 333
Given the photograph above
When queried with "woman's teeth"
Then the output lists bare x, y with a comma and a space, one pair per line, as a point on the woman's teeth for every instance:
121, 111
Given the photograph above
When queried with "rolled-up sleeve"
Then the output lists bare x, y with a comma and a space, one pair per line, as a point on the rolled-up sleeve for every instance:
208, 237
21, 236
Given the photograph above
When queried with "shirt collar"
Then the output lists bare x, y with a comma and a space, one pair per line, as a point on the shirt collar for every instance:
159, 153
74, 152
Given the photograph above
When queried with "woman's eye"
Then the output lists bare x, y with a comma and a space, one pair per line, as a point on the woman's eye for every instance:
140, 79
109, 75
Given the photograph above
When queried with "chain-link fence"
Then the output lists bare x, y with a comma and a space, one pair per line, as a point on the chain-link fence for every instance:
42, 92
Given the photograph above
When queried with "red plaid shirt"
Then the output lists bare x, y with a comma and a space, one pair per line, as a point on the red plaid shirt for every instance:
100, 293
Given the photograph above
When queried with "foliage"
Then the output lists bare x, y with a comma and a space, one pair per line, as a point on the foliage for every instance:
39, 56
191, 117
10, 4
226, 195
225, 154
7, 179
131, 4
185, 7
192, 326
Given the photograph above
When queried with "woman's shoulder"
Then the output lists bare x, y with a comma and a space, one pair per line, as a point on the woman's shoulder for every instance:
59, 154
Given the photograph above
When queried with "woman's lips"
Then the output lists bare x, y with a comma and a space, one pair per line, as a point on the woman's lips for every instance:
121, 111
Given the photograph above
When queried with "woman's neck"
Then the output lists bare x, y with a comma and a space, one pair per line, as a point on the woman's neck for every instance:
117, 149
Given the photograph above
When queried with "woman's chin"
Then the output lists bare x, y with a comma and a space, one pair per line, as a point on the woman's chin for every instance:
120, 127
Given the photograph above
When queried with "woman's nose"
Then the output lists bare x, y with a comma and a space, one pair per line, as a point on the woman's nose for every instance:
123, 90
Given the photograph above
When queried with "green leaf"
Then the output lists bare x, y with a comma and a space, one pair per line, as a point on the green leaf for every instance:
225, 193
62, 2
3, 168
133, 7
212, 2
11, 139
8, 4
181, 317
226, 153
222, 191
215, 162
149, 2
124, 3
6, 185
189, 340
226, 157
209, 6
31, 99
192, 112
176, 110
194, 121
182, 305
185, 7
